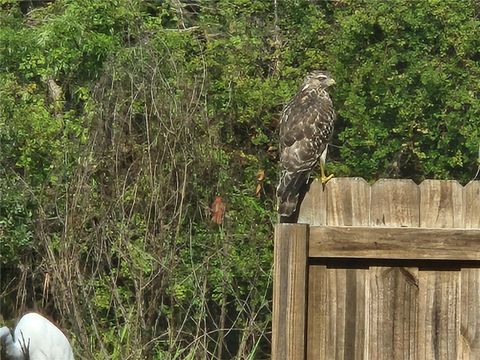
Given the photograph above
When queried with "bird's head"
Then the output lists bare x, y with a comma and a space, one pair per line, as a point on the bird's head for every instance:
319, 78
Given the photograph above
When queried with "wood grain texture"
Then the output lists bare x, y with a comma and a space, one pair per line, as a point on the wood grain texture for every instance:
340, 332
356, 314
317, 315
472, 205
438, 315
336, 304
395, 203
313, 207
441, 204
290, 291
470, 283
470, 314
394, 243
348, 202
281, 259
393, 291
339, 305
392, 318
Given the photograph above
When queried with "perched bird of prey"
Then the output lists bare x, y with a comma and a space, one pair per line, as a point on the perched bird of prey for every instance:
306, 127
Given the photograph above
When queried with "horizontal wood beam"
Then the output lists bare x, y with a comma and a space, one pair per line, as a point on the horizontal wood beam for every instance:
394, 243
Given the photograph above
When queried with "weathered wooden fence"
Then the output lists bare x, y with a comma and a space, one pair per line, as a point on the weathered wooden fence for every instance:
383, 271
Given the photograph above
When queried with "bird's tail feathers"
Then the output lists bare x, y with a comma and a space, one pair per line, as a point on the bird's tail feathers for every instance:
288, 191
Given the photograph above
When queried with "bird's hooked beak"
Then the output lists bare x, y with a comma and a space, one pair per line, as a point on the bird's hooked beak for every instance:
330, 82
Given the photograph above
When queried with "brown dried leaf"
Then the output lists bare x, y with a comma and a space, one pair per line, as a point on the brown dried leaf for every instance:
218, 210
258, 190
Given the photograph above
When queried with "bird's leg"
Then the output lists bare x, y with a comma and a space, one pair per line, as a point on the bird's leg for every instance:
323, 157
323, 177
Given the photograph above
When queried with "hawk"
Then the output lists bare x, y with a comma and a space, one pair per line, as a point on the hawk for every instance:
306, 127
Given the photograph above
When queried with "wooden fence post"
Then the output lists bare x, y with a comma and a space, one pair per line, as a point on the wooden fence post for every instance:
290, 292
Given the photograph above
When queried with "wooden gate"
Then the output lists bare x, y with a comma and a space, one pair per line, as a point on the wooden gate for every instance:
383, 271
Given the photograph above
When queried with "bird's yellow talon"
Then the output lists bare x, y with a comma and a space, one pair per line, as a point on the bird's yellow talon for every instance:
324, 178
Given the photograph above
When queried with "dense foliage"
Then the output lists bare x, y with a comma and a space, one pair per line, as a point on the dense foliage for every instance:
121, 121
